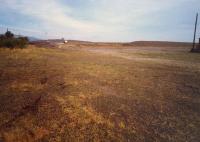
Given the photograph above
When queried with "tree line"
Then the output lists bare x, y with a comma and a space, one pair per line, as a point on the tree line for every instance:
8, 40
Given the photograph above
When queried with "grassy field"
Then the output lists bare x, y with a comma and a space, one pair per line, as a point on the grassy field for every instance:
100, 95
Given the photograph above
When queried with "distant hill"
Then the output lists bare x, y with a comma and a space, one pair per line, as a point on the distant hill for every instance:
31, 39
135, 43
160, 43
77, 43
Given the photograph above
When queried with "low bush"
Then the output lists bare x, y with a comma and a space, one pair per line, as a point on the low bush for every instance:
9, 41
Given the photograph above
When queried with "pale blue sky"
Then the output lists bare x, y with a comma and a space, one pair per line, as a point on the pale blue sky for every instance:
102, 20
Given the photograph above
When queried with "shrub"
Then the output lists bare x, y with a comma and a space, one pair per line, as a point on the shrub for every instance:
22, 42
8, 40
10, 43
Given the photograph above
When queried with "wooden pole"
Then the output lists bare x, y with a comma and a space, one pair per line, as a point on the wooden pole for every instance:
195, 29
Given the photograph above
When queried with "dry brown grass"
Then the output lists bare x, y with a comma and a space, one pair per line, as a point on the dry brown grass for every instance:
93, 96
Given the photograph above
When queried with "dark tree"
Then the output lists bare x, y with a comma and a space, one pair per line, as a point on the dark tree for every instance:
9, 34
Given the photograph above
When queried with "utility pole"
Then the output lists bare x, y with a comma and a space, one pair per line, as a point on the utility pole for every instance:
195, 29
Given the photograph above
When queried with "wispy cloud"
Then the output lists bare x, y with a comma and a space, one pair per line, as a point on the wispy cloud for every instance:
108, 20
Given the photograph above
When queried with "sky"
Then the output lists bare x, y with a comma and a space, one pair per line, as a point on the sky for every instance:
102, 20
